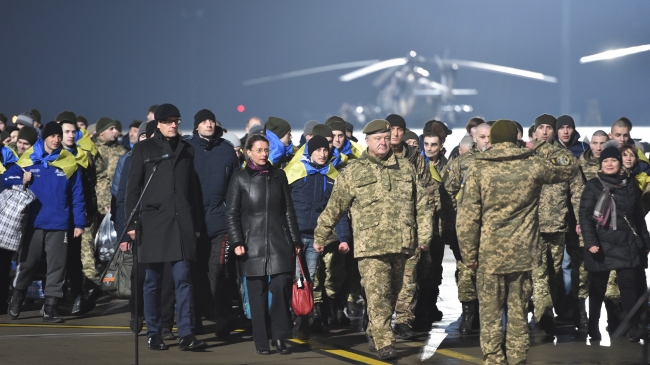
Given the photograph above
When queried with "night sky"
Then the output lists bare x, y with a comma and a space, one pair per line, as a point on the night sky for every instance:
115, 58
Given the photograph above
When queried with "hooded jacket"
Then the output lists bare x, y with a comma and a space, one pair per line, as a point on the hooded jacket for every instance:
575, 145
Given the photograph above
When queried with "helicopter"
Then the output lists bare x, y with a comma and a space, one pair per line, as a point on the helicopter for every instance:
406, 86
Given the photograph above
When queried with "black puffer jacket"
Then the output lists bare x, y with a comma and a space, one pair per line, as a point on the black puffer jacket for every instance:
618, 248
260, 215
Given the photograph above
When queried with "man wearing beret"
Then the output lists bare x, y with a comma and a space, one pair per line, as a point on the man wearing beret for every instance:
554, 215
170, 223
384, 197
501, 241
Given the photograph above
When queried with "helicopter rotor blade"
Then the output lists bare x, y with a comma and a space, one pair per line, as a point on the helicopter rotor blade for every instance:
310, 71
384, 76
615, 53
500, 69
377, 66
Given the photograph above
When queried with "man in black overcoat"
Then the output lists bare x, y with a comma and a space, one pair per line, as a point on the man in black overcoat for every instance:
170, 222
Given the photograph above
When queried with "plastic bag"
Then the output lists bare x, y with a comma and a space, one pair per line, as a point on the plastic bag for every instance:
106, 239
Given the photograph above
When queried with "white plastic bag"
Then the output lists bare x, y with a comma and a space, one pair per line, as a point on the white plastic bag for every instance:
106, 239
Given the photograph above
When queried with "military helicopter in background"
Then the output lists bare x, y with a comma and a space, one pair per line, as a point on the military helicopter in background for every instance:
406, 88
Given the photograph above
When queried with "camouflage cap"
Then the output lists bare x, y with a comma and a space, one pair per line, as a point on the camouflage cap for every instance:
322, 130
503, 130
545, 119
66, 115
376, 126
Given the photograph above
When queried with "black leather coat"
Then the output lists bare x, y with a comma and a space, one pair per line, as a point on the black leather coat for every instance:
260, 215
618, 249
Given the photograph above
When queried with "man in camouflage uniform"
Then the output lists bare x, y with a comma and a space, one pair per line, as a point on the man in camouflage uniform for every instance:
407, 297
553, 225
498, 234
391, 221
589, 167
105, 162
454, 178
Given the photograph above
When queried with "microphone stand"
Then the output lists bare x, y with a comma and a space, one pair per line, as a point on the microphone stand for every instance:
134, 249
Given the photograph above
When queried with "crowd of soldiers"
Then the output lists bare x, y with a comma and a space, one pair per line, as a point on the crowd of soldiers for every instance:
508, 210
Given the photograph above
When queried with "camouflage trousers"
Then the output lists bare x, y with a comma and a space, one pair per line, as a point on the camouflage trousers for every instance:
407, 297
88, 250
495, 294
546, 277
330, 274
466, 283
382, 278
580, 276
354, 289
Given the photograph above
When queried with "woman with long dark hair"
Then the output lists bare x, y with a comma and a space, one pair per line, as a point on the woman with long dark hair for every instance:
263, 230
616, 238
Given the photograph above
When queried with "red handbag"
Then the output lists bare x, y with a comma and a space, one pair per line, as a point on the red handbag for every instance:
302, 295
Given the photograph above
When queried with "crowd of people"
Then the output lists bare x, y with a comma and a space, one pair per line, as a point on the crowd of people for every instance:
225, 223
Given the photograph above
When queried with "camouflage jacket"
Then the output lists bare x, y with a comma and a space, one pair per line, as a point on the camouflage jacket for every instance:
454, 173
556, 199
497, 221
105, 163
589, 165
413, 155
389, 208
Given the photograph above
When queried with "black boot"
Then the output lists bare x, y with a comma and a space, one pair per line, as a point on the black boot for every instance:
613, 307
547, 322
332, 316
16, 303
402, 331
583, 320
316, 320
467, 318
50, 313
353, 309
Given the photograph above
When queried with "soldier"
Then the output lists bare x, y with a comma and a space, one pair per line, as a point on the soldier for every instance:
589, 167
454, 178
553, 225
498, 234
391, 222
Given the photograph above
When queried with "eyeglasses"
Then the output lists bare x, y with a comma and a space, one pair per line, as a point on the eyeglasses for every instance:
170, 121
260, 150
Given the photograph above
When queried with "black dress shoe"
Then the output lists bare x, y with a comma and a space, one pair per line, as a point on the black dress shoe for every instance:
156, 343
191, 343
167, 334
263, 352
280, 346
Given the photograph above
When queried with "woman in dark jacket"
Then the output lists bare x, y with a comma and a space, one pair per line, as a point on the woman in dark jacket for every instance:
262, 227
616, 238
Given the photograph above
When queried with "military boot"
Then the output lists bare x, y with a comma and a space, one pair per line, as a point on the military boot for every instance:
583, 319
332, 315
467, 318
613, 307
387, 353
547, 322
16, 303
402, 331
50, 312
316, 319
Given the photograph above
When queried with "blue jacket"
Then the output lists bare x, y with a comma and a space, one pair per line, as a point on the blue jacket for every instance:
575, 145
310, 196
120, 196
215, 161
118, 173
57, 198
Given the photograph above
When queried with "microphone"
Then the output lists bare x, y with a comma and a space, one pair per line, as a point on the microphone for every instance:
159, 159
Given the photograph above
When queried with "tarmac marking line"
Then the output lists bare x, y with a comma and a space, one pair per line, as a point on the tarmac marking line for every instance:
63, 326
338, 353
460, 356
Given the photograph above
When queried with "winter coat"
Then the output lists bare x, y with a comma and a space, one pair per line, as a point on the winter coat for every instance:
215, 161
260, 216
575, 145
310, 196
120, 197
618, 248
171, 208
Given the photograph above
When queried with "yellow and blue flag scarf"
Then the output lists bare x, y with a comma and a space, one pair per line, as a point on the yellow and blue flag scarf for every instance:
8, 157
60, 159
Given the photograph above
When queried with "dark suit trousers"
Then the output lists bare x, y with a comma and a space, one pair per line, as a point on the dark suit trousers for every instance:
279, 316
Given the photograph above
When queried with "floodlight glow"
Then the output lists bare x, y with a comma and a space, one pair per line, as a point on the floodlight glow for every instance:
615, 53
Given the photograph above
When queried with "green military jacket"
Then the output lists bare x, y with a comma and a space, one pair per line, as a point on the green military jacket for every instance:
105, 163
589, 165
388, 206
555, 198
497, 221
454, 174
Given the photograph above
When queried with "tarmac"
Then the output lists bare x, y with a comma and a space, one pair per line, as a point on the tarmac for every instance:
103, 337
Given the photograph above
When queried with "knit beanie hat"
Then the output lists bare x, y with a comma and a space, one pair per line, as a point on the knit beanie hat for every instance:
103, 124
82, 119
255, 129
25, 120
396, 121
29, 134
165, 111
3, 118
317, 142
136, 123
142, 129
51, 129
545, 119
66, 115
118, 125
278, 126
36, 115
232, 138
410, 135
503, 130
309, 127
322, 130
563, 120
349, 127
201, 115
151, 127
610, 150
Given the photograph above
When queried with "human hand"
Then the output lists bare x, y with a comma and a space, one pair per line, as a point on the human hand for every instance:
107, 209
578, 230
344, 247
131, 234
27, 177
125, 246
424, 248
594, 249
78, 232
297, 250
319, 248
240, 250
473, 266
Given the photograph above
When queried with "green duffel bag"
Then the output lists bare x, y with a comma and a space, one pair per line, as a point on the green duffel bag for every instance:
116, 280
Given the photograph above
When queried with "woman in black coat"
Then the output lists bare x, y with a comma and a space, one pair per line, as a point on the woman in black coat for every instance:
616, 238
263, 230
